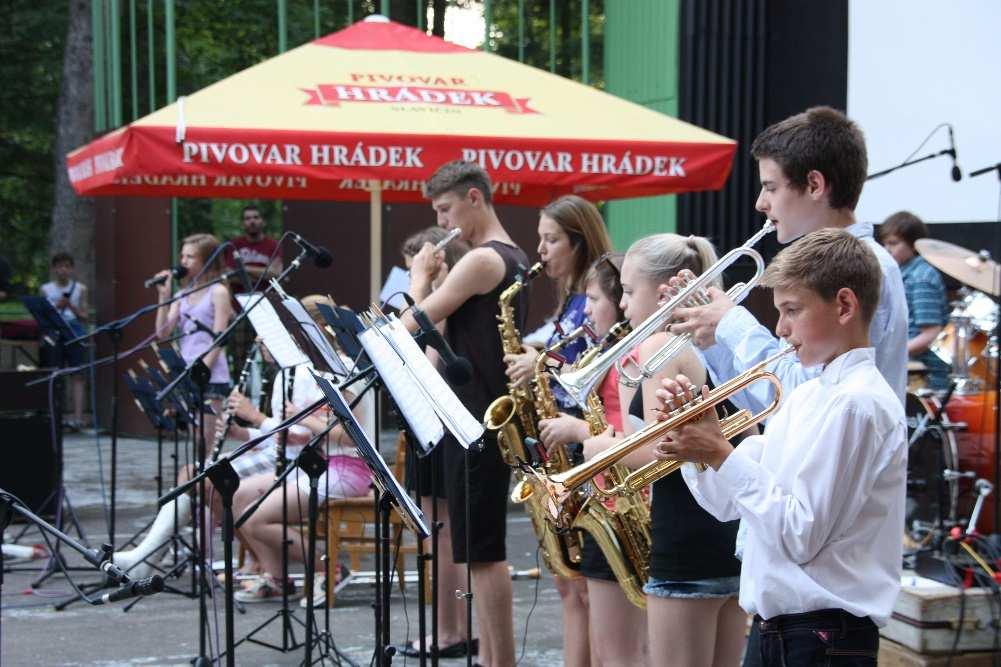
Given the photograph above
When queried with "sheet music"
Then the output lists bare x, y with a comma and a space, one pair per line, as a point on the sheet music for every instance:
466, 428
381, 474
269, 327
416, 409
397, 281
316, 337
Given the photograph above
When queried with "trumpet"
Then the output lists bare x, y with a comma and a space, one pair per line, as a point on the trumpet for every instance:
560, 487
578, 384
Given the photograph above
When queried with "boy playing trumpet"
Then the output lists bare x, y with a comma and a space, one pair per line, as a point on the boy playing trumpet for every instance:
822, 490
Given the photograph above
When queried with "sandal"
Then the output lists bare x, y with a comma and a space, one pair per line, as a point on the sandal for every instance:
266, 589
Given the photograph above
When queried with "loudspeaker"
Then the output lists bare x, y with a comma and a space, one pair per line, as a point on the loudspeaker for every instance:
29, 469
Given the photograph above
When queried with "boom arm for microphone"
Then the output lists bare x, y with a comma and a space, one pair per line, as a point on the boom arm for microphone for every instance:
458, 370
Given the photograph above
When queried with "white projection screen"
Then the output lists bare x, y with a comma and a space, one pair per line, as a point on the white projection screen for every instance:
913, 64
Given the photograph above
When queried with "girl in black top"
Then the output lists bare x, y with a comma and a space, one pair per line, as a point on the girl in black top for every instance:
692, 612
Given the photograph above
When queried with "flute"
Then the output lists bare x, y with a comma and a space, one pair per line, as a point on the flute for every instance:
452, 235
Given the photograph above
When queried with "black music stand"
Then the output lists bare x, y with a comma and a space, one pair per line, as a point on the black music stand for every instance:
391, 494
447, 409
58, 334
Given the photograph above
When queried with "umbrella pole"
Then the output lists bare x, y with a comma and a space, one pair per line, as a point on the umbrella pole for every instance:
375, 240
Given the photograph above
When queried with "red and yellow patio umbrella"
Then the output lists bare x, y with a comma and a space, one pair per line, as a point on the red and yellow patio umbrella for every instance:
380, 104
369, 113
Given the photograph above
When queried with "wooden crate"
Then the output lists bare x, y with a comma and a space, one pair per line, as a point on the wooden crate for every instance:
892, 654
926, 614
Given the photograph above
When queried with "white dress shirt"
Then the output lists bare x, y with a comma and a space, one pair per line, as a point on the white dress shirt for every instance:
741, 342
822, 492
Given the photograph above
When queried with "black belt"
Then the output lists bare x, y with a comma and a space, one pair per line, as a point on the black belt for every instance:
833, 618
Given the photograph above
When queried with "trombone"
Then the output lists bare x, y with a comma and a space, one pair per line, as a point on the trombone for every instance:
578, 384
560, 487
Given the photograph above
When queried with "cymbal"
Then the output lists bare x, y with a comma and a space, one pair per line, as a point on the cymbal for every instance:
964, 265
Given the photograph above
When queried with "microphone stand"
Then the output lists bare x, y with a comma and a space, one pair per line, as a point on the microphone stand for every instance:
114, 331
226, 481
100, 559
908, 163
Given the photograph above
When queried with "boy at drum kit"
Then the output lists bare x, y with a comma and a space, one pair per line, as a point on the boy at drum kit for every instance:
822, 490
926, 302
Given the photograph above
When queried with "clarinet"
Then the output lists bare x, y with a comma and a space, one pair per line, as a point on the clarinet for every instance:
280, 461
241, 386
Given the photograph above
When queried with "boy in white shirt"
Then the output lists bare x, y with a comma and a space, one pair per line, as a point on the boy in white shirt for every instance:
822, 491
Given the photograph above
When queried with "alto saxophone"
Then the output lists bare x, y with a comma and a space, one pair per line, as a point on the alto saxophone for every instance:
622, 530
561, 550
512, 416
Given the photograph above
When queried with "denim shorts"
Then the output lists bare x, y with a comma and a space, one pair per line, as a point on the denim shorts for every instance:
721, 587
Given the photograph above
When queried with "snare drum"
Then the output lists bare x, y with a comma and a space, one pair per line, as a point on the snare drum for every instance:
931, 498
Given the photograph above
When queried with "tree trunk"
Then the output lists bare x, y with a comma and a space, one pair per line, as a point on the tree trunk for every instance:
438, 30
72, 227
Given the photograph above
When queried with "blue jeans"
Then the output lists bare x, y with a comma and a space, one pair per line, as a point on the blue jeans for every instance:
825, 637
700, 589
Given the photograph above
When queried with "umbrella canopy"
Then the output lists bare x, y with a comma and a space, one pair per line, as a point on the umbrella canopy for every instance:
380, 105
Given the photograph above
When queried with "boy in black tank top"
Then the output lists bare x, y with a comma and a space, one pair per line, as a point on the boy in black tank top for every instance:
460, 193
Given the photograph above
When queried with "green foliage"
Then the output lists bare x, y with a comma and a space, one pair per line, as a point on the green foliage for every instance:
504, 35
31, 53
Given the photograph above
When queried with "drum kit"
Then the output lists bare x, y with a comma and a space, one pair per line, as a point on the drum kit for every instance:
951, 435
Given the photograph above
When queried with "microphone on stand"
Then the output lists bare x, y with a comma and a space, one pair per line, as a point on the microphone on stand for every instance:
242, 270
142, 587
177, 273
321, 256
957, 174
458, 370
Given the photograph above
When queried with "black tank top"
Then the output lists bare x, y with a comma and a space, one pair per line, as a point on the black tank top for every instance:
472, 333
688, 543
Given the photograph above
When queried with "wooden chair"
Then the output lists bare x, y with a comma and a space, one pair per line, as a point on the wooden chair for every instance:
350, 527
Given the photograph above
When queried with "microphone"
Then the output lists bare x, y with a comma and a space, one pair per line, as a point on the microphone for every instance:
957, 175
147, 586
458, 370
242, 270
321, 256
177, 272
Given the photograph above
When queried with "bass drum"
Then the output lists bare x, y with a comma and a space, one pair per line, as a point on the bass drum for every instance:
976, 450
931, 499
